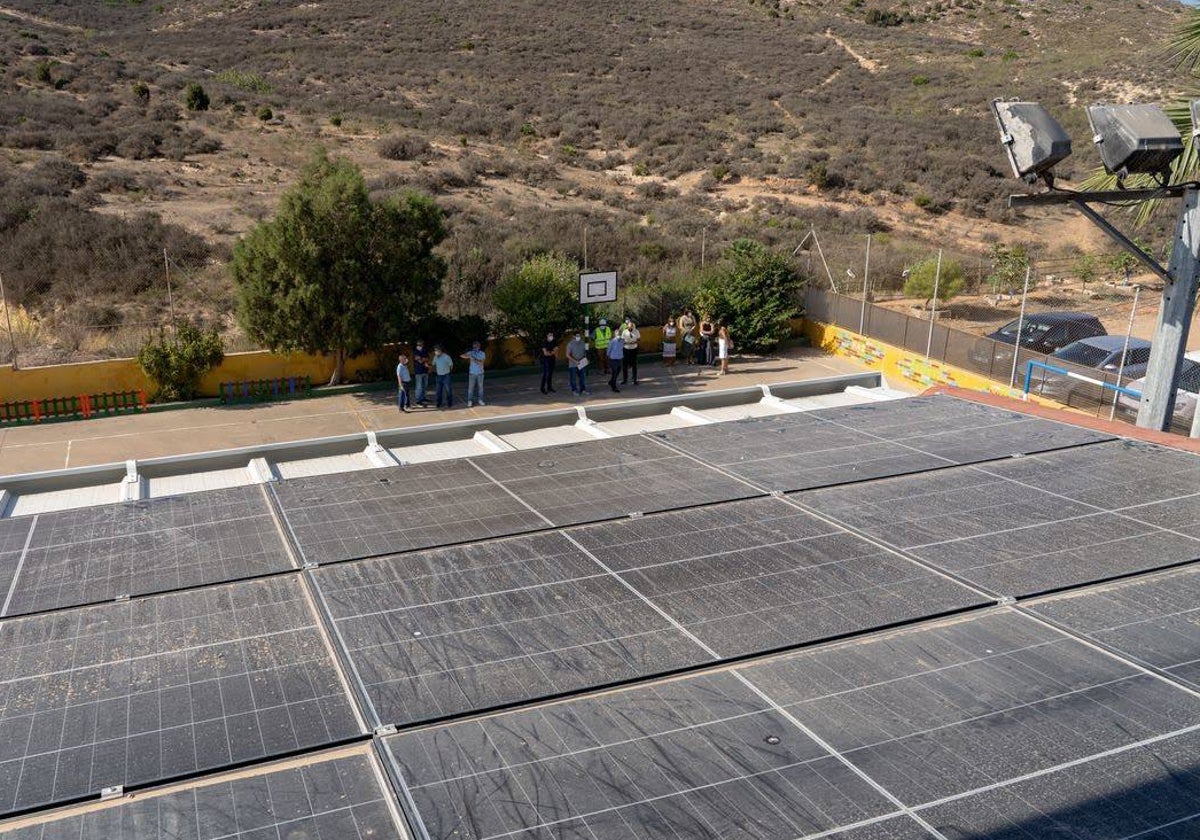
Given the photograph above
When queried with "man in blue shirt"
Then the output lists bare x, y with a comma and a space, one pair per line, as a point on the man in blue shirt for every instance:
475, 357
616, 353
443, 364
421, 371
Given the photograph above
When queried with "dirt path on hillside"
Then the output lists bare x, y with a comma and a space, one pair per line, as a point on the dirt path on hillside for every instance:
39, 21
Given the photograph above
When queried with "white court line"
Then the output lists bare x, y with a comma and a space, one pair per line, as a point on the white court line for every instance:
12, 588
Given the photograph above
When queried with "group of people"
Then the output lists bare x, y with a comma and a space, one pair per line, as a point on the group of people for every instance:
441, 364
709, 346
616, 354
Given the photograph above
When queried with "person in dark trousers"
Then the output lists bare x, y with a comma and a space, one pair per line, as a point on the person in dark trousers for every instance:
630, 335
443, 365
549, 359
616, 352
403, 377
421, 372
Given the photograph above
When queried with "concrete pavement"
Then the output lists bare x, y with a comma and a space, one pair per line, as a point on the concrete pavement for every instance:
134, 436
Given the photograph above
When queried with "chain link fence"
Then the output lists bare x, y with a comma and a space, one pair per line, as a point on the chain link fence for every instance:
997, 360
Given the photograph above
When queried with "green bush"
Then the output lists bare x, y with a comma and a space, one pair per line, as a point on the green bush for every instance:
194, 97
177, 364
922, 276
264, 113
753, 291
539, 297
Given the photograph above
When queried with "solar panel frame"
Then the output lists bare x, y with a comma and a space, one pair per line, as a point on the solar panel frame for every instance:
97, 554
940, 712
447, 631
338, 797
754, 576
702, 756
607, 479
160, 687
1152, 619
997, 527
828, 447
375, 512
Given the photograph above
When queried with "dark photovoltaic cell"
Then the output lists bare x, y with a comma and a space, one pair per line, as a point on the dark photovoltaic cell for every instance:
1151, 792
996, 527
139, 691
959, 430
1155, 619
874, 440
328, 799
374, 512
753, 576
797, 451
701, 758
608, 479
948, 710
96, 554
14, 536
441, 632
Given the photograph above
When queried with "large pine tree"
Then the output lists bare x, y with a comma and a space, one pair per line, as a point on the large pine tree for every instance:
335, 272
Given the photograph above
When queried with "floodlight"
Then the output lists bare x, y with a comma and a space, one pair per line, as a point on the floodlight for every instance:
1034, 140
1135, 139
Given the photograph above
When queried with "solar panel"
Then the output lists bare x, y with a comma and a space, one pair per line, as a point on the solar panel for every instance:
135, 692
945, 712
96, 554
701, 757
1151, 792
997, 527
441, 632
14, 538
608, 479
873, 440
1153, 619
322, 799
374, 512
753, 576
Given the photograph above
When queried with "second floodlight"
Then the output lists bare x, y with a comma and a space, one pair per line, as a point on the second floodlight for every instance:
1034, 140
1135, 139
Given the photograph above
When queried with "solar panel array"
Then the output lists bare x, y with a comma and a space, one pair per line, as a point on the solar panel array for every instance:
863, 623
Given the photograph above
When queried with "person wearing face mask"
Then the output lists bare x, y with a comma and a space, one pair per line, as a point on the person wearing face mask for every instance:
630, 336
577, 362
549, 359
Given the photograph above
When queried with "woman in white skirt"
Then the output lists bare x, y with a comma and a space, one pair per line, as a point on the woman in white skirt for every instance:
724, 346
669, 345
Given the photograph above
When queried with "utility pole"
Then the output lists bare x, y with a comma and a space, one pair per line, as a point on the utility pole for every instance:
170, 296
12, 337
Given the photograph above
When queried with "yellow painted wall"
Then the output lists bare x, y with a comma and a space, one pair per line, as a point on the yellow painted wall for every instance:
898, 364
38, 383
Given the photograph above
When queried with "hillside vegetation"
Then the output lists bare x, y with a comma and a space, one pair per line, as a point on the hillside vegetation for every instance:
663, 129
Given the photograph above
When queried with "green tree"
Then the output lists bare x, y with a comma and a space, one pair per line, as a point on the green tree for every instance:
335, 272
1008, 268
1086, 269
194, 97
177, 364
753, 291
923, 276
541, 296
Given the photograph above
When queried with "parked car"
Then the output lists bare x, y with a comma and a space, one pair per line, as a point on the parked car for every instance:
1101, 353
1041, 332
1187, 392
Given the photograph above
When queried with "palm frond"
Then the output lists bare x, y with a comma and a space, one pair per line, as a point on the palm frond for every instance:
1185, 43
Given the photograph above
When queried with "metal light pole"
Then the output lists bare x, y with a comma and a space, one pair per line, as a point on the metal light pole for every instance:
862, 315
937, 279
1012, 377
1137, 290
12, 337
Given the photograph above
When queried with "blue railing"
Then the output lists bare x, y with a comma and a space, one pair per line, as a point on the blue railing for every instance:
1034, 363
